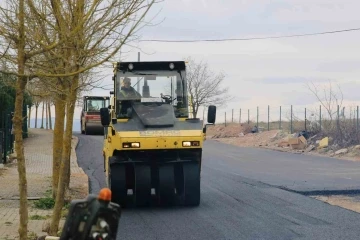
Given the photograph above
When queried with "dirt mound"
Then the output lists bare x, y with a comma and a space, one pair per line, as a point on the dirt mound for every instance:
240, 135
266, 138
230, 131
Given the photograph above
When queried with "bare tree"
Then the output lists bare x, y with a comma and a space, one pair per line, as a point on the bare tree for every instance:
61, 40
42, 114
16, 23
19, 39
205, 87
38, 94
103, 29
335, 124
49, 113
37, 104
328, 97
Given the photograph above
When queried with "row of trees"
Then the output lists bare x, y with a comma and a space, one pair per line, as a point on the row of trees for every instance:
54, 45
51, 48
204, 87
46, 109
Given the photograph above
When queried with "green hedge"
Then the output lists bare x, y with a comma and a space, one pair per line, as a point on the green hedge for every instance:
7, 99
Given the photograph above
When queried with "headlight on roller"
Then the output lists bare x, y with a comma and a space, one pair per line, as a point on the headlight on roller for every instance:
131, 145
191, 144
135, 145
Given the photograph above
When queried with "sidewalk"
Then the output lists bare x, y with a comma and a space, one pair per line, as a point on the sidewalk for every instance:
38, 155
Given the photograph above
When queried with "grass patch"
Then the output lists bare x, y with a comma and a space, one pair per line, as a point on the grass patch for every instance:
45, 203
37, 217
48, 202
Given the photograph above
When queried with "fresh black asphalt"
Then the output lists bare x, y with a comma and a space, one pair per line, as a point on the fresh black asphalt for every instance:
240, 197
298, 172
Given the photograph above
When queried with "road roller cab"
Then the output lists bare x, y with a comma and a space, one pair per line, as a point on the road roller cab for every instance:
152, 148
90, 113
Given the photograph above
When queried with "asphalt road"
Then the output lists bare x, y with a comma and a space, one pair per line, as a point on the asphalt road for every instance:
298, 172
234, 203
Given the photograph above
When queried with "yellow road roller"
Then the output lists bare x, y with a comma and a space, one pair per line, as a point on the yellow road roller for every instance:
152, 148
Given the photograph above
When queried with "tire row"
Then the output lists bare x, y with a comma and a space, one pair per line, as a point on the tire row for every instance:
174, 183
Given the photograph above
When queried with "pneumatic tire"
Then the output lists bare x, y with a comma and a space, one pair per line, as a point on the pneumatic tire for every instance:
191, 184
142, 193
117, 183
166, 185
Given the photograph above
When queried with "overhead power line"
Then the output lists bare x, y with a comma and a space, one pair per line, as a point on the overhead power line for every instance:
252, 38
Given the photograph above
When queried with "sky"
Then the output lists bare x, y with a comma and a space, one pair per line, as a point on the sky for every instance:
259, 73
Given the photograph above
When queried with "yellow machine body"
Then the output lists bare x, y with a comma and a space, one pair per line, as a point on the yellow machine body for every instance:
150, 143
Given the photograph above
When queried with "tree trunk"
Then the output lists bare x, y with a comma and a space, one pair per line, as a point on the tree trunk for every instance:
36, 114
29, 116
50, 120
67, 148
42, 117
58, 141
65, 163
194, 110
18, 120
46, 116
18, 124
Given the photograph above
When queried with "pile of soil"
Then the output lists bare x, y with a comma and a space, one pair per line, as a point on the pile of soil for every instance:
230, 131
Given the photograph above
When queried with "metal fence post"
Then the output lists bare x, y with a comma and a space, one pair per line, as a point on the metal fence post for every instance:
268, 117
257, 117
305, 119
5, 142
357, 119
248, 116
11, 137
320, 118
1, 146
280, 119
338, 118
225, 119
2, 137
291, 120
240, 117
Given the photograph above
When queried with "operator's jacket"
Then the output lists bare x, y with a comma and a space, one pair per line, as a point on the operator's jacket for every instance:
129, 93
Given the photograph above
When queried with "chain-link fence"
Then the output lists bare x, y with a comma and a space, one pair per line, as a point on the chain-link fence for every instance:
341, 123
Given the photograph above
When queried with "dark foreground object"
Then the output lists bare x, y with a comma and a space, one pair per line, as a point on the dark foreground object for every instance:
93, 218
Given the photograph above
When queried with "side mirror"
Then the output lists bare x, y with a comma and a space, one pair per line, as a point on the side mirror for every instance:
105, 116
211, 114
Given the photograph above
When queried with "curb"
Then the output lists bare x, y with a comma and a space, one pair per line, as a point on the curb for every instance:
74, 149
77, 143
74, 160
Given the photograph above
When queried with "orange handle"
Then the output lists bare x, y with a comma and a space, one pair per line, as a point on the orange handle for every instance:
105, 194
